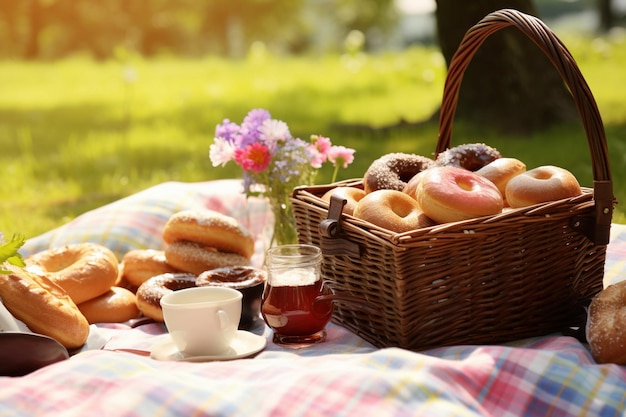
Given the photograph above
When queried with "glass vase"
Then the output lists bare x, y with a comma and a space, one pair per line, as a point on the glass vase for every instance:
284, 232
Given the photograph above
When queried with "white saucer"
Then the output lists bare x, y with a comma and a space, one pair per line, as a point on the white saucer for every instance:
244, 344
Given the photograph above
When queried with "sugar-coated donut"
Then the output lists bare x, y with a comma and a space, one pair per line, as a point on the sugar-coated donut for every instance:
149, 293
541, 184
142, 264
393, 171
470, 156
351, 194
392, 210
210, 228
43, 306
501, 170
450, 194
606, 325
196, 258
114, 306
83, 270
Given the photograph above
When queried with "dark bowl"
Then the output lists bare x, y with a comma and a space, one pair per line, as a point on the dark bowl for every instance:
248, 280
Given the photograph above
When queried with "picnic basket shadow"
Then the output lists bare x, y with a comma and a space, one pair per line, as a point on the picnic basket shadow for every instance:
522, 273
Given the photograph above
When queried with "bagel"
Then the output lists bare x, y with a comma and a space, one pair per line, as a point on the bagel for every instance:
392, 210
540, 185
83, 270
350, 194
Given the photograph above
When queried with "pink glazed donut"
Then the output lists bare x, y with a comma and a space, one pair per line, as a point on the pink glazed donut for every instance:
450, 194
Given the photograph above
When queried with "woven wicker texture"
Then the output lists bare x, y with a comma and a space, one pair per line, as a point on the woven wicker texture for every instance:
526, 272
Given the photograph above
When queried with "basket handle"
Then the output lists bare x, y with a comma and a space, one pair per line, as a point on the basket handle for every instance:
565, 64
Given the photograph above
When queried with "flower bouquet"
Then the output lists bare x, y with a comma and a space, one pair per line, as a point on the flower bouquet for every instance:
274, 162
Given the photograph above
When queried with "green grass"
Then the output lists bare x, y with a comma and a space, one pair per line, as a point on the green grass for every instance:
77, 134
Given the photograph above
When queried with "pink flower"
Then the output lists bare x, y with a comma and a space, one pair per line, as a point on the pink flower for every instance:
318, 149
341, 156
254, 157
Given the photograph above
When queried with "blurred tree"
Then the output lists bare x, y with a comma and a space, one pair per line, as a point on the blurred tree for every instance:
510, 84
607, 17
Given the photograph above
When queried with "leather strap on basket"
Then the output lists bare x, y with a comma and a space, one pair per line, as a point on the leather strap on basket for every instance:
332, 242
565, 64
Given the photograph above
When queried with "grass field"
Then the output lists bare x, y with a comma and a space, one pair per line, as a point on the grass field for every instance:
76, 134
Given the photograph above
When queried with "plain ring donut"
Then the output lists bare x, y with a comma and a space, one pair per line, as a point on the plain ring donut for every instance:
210, 228
43, 306
149, 293
83, 270
606, 325
393, 171
540, 185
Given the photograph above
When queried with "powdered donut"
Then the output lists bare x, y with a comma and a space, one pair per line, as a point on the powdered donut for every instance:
196, 258
450, 194
114, 306
142, 264
43, 306
83, 270
210, 228
393, 171
606, 325
471, 156
392, 210
350, 194
540, 185
149, 293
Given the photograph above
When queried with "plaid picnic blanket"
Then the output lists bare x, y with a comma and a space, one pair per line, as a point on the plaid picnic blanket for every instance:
344, 376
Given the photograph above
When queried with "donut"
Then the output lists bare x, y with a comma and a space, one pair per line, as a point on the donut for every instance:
501, 170
541, 184
114, 306
606, 325
210, 228
392, 171
392, 210
142, 264
196, 258
351, 194
450, 194
411, 186
43, 306
248, 280
149, 293
470, 156
83, 270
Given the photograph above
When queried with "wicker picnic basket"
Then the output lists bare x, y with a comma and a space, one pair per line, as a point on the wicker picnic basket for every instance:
523, 273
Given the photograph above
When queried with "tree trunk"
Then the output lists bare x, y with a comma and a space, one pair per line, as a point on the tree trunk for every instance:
605, 10
510, 85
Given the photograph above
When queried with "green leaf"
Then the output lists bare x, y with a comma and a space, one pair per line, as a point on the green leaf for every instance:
9, 252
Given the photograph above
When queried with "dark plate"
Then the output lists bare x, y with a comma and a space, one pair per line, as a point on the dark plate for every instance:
22, 353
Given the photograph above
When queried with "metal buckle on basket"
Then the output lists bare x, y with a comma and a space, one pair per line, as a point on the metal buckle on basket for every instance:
330, 230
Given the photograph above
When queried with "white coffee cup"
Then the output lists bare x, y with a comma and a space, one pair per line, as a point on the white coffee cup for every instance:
202, 320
